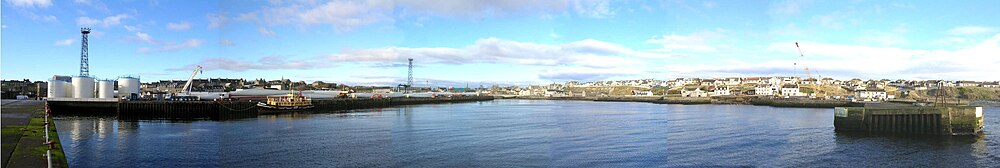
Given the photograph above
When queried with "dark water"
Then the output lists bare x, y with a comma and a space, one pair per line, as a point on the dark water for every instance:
506, 133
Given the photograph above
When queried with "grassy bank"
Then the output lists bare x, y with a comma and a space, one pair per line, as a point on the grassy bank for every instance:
27, 139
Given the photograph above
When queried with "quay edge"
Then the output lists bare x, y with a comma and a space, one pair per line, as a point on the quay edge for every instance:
957, 120
223, 109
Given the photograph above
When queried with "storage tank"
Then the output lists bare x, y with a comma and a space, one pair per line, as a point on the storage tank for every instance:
57, 88
127, 86
106, 89
68, 92
83, 87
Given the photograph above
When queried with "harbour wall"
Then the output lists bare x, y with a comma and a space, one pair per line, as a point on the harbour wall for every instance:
181, 110
959, 120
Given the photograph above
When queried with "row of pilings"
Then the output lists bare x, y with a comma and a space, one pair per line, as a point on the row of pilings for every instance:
361, 103
186, 109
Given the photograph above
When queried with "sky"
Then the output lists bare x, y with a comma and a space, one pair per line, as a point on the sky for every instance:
367, 42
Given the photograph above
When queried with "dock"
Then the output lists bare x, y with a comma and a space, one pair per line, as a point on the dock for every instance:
221, 110
957, 120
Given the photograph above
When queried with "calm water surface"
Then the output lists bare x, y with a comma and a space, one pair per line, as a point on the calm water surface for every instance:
518, 133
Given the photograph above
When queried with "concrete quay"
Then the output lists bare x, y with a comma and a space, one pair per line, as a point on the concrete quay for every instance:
958, 120
221, 110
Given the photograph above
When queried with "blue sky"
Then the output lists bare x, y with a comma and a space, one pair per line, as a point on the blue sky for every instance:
505, 41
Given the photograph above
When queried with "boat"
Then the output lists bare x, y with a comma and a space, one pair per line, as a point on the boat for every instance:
288, 102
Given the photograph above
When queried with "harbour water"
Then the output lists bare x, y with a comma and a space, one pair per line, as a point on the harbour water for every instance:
519, 133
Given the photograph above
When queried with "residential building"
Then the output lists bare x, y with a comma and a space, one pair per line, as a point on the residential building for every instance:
870, 95
693, 92
790, 90
767, 90
720, 91
642, 93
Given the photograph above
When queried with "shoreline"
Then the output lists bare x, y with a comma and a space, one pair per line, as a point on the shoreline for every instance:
797, 103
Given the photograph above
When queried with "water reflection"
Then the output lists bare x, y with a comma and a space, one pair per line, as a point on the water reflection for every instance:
516, 133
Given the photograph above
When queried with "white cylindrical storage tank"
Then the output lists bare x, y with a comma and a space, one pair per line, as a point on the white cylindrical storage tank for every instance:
106, 89
83, 87
127, 86
69, 89
57, 89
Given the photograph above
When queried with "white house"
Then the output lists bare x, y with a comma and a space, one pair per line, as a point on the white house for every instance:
826, 81
773, 80
790, 90
765, 90
693, 92
967, 84
810, 81
870, 95
720, 91
733, 81
991, 85
642, 93
752, 80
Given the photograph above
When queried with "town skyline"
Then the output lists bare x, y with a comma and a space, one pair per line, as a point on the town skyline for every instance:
513, 41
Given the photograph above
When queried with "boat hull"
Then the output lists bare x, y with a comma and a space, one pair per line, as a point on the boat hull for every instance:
264, 108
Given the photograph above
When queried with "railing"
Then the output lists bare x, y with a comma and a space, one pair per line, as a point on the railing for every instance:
48, 152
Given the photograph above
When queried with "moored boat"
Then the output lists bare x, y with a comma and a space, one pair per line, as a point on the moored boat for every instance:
286, 103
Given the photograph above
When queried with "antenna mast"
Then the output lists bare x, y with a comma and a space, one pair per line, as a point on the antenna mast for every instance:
409, 78
84, 61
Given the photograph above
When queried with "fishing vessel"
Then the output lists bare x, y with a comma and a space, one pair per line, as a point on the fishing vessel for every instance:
287, 102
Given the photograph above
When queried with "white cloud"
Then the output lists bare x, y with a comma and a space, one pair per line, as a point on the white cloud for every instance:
95, 4
344, 15
31, 3
131, 28
179, 26
47, 18
698, 41
265, 63
3, 26
216, 20
586, 53
883, 39
586, 74
171, 47
482, 9
709, 4
143, 37
265, 31
108, 21
593, 8
226, 42
786, 8
65, 42
973, 62
38, 17
970, 30
349, 15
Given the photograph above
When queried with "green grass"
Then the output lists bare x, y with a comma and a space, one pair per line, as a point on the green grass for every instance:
34, 132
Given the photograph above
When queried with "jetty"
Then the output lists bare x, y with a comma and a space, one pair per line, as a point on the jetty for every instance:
221, 110
956, 120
